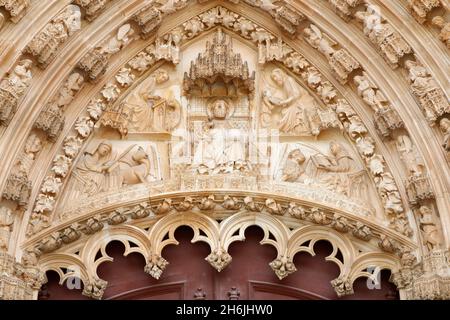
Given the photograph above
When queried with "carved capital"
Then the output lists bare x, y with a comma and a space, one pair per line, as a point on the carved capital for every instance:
95, 289
219, 259
283, 267
156, 266
342, 286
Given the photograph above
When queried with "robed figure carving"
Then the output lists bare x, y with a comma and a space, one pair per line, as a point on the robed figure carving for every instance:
298, 109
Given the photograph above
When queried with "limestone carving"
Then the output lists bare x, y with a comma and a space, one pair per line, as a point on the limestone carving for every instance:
12, 89
46, 43
362, 231
72, 146
61, 165
141, 62
342, 287
17, 188
95, 289
444, 26
125, 78
16, 9
150, 17
93, 225
410, 155
95, 61
421, 8
386, 118
430, 231
84, 126
140, 211
218, 62
70, 88
207, 203
273, 207
146, 110
44, 204
287, 17
431, 97
340, 223
445, 127
419, 188
219, 259
118, 216
337, 171
344, 8
50, 121
95, 109
100, 170
387, 244
37, 223
282, 267
51, 185
219, 147
110, 92
164, 207
296, 211
92, 7
231, 203
299, 115
70, 234
341, 62
293, 169
6, 224
156, 266
269, 49
32, 148
388, 41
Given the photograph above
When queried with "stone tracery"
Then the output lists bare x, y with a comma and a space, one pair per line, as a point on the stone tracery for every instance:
274, 51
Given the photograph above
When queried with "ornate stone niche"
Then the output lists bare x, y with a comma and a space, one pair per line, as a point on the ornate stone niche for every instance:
219, 88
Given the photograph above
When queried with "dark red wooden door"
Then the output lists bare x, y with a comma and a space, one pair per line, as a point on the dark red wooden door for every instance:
189, 276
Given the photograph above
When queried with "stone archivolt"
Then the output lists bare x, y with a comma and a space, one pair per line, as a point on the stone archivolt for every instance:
383, 180
425, 279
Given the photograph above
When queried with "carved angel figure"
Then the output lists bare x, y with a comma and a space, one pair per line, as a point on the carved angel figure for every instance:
298, 108
336, 170
294, 167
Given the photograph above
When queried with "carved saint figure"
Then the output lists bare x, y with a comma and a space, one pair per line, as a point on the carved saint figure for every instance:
293, 169
410, 156
431, 236
160, 114
20, 78
96, 172
299, 111
333, 170
6, 221
445, 127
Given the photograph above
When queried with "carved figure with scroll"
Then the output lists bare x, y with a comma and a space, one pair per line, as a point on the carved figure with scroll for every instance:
333, 170
298, 108
150, 111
